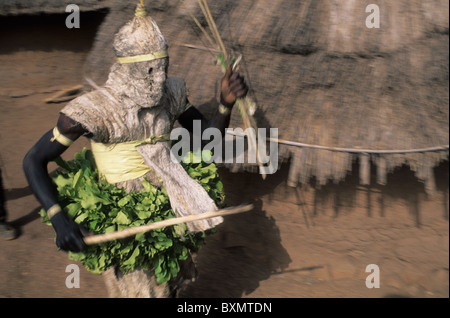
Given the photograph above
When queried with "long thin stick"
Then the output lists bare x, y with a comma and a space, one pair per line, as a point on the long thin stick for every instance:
191, 46
205, 33
352, 150
215, 31
200, 3
65, 94
242, 104
249, 122
102, 238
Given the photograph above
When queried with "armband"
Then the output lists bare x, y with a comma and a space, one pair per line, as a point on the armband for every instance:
63, 140
53, 210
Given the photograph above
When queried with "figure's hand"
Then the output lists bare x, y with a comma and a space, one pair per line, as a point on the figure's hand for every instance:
233, 87
69, 235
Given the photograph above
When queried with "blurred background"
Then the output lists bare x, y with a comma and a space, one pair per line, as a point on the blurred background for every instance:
319, 74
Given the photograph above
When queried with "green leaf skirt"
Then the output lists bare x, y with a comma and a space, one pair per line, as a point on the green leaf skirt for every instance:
103, 208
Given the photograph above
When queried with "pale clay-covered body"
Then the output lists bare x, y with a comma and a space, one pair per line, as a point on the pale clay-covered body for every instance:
101, 113
139, 101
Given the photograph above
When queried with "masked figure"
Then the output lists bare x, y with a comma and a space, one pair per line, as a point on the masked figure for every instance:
128, 122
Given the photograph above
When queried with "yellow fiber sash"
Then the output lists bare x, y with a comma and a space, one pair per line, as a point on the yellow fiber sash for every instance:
122, 162
119, 162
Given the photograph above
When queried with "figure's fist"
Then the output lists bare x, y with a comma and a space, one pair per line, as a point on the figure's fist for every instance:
69, 235
233, 87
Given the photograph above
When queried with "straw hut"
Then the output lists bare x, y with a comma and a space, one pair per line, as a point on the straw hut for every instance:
317, 71
345, 85
323, 77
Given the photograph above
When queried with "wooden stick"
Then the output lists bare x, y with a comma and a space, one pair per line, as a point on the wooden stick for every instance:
242, 104
202, 28
102, 238
215, 31
191, 46
250, 123
247, 119
65, 94
212, 25
209, 24
352, 150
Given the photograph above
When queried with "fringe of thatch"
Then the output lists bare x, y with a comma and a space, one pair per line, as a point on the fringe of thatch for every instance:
376, 103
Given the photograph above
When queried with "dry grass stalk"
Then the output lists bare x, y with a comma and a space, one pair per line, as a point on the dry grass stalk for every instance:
245, 105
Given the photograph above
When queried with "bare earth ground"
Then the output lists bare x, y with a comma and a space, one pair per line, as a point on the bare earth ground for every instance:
295, 243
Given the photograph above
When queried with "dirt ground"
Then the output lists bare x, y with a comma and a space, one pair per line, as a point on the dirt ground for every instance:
297, 243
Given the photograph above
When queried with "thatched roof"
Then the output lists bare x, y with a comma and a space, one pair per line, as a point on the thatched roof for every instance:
320, 76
